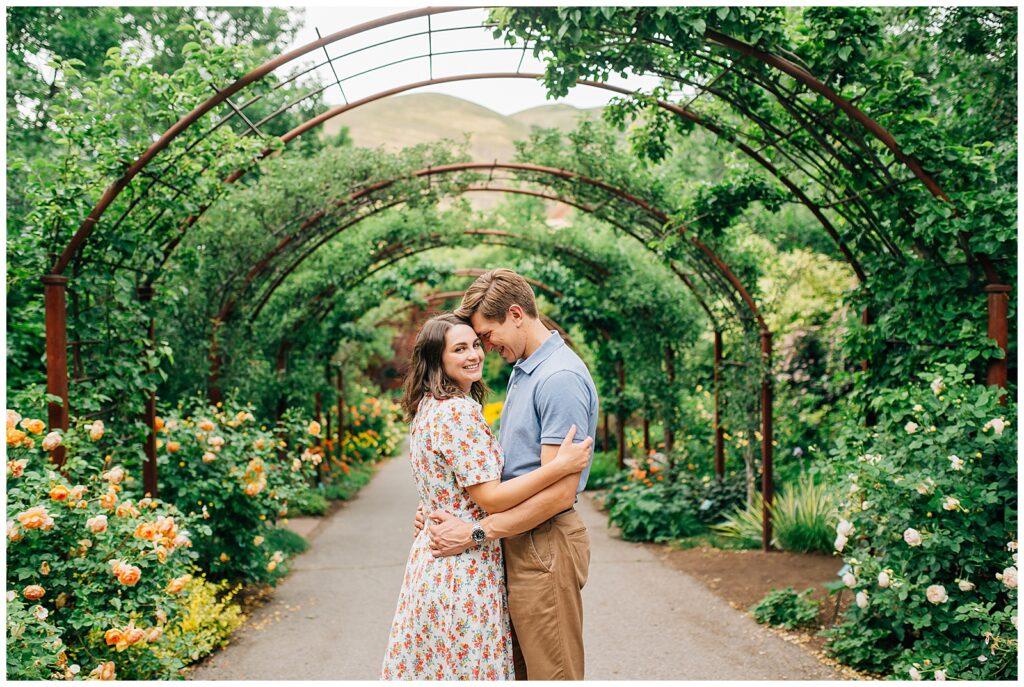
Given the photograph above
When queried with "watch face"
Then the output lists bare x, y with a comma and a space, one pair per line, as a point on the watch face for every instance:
479, 536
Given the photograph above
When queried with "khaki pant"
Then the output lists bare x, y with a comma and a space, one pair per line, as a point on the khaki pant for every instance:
546, 570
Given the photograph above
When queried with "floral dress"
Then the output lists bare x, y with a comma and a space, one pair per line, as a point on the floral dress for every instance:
452, 619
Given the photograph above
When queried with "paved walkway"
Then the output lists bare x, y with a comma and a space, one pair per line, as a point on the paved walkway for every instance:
329, 619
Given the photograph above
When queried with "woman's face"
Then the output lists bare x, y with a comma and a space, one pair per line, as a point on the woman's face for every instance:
463, 357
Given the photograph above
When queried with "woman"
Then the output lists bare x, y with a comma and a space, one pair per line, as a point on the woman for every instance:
452, 619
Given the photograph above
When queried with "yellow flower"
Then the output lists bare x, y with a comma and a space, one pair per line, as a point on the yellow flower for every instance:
314, 428
34, 426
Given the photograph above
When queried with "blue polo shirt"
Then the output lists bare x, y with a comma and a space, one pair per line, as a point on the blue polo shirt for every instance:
548, 392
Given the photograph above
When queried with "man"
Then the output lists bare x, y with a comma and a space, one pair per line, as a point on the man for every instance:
546, 545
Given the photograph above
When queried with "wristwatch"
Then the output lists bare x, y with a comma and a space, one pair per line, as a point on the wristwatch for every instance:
479, 536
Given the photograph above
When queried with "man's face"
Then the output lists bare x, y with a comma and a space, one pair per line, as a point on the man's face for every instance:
505, 336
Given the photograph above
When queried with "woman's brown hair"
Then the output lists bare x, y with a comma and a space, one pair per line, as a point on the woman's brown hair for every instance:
426, 370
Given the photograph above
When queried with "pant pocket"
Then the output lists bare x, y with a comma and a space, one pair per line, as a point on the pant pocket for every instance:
540, 545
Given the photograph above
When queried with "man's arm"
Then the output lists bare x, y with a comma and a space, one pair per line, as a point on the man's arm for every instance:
450, 535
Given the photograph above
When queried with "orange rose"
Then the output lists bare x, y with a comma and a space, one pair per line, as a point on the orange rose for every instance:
34, 426
28, 442
178, 583
95, 430
44, 568
35, 518
146, 531
209, 457
12, 418
77, 492
33, 592
59, 492
126, 509
260, 444
154, 634
173, 446
14, 436
159, 424
104, 671
129, 575
17, 467
97, 524
253, 488
114, 476
161, 616
109, 500
113, 636
133, 635
224, 558
161, 554
13, 534
314, 428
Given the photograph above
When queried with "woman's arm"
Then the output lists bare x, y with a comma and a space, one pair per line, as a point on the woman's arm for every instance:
495, 496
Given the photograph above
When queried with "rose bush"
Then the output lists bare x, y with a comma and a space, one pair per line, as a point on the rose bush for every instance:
928, 529
91, 568
237, 475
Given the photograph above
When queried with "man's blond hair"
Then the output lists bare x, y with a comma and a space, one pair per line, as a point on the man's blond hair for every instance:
494, 292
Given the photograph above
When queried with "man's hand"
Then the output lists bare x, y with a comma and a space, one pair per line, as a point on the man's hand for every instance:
419, 522
449, 535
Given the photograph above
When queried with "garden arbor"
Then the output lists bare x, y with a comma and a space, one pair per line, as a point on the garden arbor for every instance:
837, 162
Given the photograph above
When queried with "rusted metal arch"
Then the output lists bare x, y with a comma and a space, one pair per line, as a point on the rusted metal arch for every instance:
451, 168
693, 117
222, 95
660, 216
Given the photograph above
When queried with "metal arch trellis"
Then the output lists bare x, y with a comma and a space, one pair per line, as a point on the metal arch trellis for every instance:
55, 282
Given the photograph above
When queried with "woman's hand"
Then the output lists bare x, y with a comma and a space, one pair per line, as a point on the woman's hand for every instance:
573, 458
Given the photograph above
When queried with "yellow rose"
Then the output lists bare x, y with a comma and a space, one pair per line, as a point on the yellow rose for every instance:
113, 636
109, 500
207, 426
35, 518
178, 583
59, 493
314, 428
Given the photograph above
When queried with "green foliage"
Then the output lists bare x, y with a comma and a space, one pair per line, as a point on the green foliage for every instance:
35, 650
803, 517
929, 529
356, 478
307, 502
655, 503
786, 608
603, 470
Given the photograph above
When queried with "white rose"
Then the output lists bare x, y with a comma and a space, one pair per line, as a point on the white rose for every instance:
936, 593
982, 658
1009, 577
862, 599
912, 537
74, 669
965, 585
854, 488
840, 542
865, 505
845, 528
996, 424
951, 503
883, 579
915, 674
937, 386
40, 613
11, 594
911, 427
850, 580
956, 463
940, 674
918, 408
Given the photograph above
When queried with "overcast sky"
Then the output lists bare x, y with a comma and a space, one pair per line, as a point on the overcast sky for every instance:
505, 95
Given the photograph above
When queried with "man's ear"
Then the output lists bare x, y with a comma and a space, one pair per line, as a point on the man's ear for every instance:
516, 312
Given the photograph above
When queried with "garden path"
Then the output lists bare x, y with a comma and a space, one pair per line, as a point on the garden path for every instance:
329, 619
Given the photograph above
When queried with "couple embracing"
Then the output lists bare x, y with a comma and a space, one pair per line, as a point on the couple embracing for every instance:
492, 589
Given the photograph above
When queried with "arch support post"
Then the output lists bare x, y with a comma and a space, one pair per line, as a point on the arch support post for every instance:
149, 473
870, 416
620, 419
767, 487
719, 432
670, 374
998, 329
341, 410
55, 295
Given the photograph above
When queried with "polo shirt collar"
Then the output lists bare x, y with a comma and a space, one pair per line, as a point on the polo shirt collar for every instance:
550, 345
